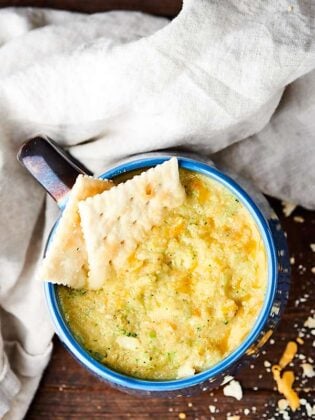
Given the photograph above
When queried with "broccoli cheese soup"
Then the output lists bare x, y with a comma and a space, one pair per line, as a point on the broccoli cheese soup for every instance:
188, 296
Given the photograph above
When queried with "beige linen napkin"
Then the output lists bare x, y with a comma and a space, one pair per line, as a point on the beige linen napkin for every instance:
232, 80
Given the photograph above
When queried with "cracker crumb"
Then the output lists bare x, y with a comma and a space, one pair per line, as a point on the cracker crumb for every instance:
313, 270
288, 208
309, 409
267, 364
181, 416
246, 411
299, 340
283, 404
308, 370
282, 409
310, 322
272, 341
233, 389
302, 270
212, 408
227, 378
292, 260
232, 417
312, 246
190, 404
298, 219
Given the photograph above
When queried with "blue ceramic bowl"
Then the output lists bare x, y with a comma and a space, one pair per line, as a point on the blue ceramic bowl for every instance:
269, 316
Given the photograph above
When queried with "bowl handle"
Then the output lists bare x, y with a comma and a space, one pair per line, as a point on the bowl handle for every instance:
54, 168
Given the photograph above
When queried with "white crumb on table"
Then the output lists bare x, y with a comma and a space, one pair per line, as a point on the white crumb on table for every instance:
298, 219
227, 379
212, 408
233, 389
308, 407
308, 370
288, 208
310, 322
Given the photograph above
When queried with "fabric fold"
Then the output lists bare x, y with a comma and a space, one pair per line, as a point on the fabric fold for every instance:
9, 387
26, 364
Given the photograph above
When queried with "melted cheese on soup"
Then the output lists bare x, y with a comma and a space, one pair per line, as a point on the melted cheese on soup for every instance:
187, 298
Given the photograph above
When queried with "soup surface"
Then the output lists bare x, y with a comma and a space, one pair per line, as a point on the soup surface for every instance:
188, 296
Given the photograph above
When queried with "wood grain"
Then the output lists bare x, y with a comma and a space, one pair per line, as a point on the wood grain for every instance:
68, 391
169, 8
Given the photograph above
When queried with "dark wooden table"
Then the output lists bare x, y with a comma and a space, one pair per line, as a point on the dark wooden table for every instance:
167, 8
68, 391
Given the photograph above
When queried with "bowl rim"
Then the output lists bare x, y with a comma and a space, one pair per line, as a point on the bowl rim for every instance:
120, 379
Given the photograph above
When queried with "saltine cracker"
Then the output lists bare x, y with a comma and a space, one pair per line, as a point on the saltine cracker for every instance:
117, 220
66, 259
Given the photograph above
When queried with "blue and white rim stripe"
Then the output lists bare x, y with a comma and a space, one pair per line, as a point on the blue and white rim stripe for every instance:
122, 380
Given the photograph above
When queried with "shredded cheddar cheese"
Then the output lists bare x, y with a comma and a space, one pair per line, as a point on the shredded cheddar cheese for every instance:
288, 354
285, 382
